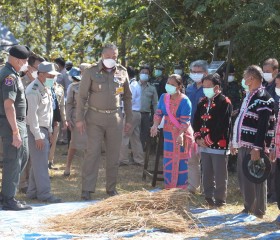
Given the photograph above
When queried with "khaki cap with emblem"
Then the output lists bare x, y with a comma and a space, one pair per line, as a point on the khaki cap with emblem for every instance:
47, 67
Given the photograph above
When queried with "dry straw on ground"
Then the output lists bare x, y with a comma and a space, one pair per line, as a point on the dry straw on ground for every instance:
166, 210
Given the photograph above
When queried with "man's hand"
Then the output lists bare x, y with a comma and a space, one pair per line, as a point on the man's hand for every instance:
81, 127
17, 142
255, 154
127, 128
233, 151
180, 140
272, 155
154, 130
65, 125
39, 144
200, 142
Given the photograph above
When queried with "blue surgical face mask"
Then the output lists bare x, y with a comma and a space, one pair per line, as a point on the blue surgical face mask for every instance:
209, 92
158, 73
144, 77
246, 87
49, 82
170, 89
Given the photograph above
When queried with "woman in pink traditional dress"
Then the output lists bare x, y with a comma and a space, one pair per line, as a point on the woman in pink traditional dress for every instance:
177, 131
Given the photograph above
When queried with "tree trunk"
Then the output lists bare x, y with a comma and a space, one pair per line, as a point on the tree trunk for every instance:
49, 30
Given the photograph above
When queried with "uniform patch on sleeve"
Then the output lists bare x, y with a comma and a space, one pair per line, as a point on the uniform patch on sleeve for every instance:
9, 81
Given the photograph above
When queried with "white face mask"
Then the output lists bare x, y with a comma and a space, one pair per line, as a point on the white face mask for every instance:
209, 92
109, 63
230, 78
277, 91
23, 68
178, 71
34, 74
144, 77
196, 77
268, 77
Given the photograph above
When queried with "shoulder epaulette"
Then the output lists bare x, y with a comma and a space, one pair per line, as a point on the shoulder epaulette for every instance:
121, 66
93, 65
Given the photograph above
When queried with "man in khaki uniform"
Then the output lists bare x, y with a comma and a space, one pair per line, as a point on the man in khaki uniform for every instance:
103, 86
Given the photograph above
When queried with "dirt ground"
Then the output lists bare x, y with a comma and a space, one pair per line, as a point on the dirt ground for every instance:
130, 179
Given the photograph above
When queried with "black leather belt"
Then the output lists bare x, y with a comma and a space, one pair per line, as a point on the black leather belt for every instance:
18, 118
45, 128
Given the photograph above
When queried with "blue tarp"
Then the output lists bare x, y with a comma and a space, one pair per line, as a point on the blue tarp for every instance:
27, 225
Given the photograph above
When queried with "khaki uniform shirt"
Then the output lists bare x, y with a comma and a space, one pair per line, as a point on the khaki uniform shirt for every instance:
104, 90
59, 92
40, 110
71, 104
149, 97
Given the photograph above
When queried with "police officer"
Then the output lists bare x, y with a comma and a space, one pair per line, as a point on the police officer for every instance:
39, 128
103, 86
78, 141
13, 126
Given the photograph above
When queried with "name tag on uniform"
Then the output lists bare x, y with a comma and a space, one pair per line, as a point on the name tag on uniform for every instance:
119, 90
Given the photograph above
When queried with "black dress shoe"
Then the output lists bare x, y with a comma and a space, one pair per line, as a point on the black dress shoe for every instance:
51, 166
112, 193
86, 195
220, 203
210, 202
14, 205
23, 190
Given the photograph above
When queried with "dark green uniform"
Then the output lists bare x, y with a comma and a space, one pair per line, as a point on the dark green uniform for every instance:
14, 160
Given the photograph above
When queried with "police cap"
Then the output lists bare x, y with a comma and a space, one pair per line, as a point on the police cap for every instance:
19, 51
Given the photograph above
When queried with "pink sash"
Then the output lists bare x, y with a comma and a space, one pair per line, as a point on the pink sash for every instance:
277, 136
189, 143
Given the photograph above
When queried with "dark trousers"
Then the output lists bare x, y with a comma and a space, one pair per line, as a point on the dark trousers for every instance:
254, 195
14, 159
277, 181
145, 129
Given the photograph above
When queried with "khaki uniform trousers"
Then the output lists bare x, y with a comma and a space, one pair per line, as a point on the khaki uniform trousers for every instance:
194, 175
53, 146
254, 195
134, 137
99, 126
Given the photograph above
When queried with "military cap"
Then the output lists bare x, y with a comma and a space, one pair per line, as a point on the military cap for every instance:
47, 67
19, 51
256, 171
76, 73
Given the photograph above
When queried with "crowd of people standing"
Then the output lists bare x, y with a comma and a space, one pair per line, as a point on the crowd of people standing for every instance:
206, 121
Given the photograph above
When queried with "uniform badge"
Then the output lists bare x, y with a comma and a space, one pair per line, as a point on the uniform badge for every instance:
119, 90
9, 81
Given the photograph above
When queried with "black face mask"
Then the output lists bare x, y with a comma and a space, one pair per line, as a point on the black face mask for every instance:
68, 68
21, 74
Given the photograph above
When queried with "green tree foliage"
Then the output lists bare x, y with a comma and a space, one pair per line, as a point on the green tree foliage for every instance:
54, 27
149, 31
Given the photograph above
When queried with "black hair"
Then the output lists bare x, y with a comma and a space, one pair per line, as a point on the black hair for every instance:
33, 58
178, 80
131, 72
60, 61
214, 78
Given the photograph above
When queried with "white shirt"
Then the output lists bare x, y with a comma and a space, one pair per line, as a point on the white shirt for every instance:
136, 95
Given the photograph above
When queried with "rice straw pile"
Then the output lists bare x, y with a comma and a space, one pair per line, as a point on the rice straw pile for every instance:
165, 210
